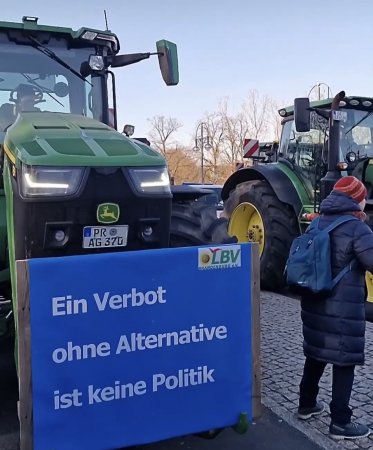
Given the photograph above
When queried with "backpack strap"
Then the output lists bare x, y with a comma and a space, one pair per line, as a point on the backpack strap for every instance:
338, 222
331, 227
341, 274
313, 225
316, 222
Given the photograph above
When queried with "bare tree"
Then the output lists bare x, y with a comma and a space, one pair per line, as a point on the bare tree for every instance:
181, 165
228, 131
258, 118
274, 120
211, 157
236, 128
256, 109
162, 130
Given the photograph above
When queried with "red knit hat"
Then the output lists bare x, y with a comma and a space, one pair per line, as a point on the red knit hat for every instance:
352, 187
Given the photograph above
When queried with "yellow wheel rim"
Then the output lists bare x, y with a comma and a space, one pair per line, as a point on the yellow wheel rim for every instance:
369, 283
247, 224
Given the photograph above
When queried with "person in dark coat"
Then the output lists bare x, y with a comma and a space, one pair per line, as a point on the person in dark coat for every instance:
334, 327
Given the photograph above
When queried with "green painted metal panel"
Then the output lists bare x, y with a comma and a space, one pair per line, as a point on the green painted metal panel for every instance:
74, 34
297, 183
56, 139
3, 232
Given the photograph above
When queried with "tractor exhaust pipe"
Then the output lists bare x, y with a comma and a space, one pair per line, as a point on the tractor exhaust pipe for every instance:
333, 174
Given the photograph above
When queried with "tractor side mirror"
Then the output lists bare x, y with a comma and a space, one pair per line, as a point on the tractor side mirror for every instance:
302, 115
272, 149
168, 62
273, 152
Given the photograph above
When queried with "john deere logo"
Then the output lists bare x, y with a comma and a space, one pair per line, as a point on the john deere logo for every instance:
108, 213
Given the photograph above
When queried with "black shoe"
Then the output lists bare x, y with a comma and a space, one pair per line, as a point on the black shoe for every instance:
350, 431
305, 413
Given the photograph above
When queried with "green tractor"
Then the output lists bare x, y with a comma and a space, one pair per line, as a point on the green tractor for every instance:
70, 182
269, 201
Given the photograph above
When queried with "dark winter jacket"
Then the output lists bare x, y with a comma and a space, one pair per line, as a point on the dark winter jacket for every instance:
334, 327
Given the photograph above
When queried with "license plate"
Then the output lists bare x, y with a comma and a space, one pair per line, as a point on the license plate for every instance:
105, 237
340, 115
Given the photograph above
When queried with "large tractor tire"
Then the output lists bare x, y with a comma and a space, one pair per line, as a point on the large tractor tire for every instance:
196, 224
256, 215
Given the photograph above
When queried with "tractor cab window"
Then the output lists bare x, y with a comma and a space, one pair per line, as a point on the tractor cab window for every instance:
32, 81
302, 148
306, 150
23, 95
356, 134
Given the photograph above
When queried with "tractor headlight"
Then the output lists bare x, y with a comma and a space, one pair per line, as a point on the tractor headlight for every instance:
153, 180
39, 181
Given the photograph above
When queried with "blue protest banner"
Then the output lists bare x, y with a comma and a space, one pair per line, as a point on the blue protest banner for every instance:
135, 347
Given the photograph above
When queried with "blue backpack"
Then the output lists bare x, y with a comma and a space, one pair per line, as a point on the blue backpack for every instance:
308, 268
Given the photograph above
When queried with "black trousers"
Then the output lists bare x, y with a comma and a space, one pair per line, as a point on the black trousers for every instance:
343, 378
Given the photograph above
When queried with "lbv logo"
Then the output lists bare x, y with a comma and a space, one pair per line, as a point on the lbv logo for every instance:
219, 257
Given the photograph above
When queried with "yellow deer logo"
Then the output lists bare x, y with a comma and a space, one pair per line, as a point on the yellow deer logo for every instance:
108, 213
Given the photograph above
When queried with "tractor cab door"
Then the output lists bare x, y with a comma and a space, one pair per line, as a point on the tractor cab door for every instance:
307, 152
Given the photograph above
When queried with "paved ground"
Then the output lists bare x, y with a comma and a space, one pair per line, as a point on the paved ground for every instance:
282, 365
269, 433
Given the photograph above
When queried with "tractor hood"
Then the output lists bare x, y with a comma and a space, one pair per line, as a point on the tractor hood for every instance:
57, 139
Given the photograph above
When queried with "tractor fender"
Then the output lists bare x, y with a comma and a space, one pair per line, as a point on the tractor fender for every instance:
274, 176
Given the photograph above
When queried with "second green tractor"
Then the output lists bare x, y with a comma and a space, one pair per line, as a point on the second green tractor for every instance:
268, 202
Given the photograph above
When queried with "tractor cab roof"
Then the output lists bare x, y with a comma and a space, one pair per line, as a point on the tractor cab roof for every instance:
352, 102
29, 26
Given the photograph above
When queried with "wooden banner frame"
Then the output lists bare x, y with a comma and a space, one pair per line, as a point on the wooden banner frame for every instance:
255, 331
24, 347
24, 356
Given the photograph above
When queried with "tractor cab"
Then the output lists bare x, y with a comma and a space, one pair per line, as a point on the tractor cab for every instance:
59, 70
41, 71
304, 144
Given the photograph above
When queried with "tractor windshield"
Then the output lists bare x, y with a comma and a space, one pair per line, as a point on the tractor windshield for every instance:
307, 148
33, 81
308, 151
356, 134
